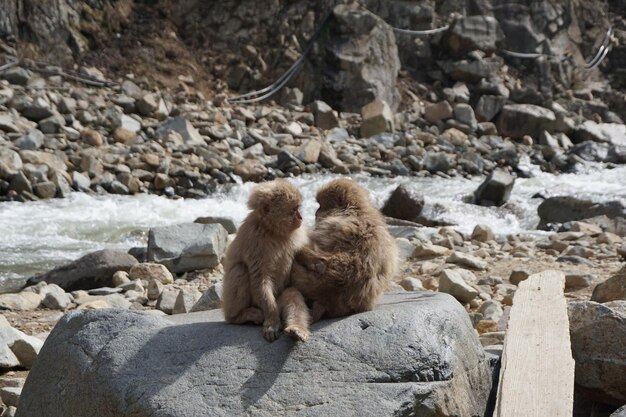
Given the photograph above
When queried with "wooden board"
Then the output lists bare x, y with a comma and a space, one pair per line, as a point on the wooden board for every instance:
537, 374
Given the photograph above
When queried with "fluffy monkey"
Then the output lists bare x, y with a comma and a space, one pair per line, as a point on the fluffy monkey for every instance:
258, 261
347, 265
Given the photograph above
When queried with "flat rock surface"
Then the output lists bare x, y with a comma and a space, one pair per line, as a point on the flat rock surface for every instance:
416, 354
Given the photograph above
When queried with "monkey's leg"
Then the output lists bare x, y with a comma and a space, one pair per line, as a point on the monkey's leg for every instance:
237, 300
317, 311
267, 301
295, 314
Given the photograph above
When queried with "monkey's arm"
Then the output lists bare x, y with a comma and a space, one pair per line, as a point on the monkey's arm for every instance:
263, 294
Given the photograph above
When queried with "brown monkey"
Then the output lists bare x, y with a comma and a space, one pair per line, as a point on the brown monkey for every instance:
258, 261
348, 263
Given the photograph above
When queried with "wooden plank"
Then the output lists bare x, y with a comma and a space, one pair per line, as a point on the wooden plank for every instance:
537, 374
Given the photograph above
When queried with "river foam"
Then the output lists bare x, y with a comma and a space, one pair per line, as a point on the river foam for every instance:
37, 236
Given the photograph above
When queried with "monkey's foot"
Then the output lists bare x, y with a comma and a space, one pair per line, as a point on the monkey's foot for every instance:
297, 333
271, 333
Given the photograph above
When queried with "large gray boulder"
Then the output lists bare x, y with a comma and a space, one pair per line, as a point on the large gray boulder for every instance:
495, 190
598, 335
187, 247
415, 354
404, 204
612, 133
517, 120
359, 61
93, 270
563, 209
474, 32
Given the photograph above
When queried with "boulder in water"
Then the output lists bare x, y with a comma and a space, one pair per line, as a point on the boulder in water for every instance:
495, 190
415, 354
93, 270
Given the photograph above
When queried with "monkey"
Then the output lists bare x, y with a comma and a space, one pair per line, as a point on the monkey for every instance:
258, 261
348, 263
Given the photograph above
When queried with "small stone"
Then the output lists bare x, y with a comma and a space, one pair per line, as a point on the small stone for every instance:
103, 301
27, 349
211, 299
94, 305
147, 104
428, 250
586, 228
104, 291
151, 271
121, 135
412, 284
167, 300
465, 114
32, 140
578, 281
22, 301
227, 222
120, 278
482, 233
81, 181
325, 116
52, 124
91, 137
155, 288
17, 75
612, 289
46, 189
10, 396
309, 152
518, 275
491, 310
452, 282
460, 258
185, 300
405, 248
135, 285
609, 238
436, 112
377, 117
55, 297
486, 326
8, 360
20, 184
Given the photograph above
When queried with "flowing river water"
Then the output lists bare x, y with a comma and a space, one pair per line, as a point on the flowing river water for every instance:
37, 236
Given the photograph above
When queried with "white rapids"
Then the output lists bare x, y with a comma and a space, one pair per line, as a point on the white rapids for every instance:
37, 236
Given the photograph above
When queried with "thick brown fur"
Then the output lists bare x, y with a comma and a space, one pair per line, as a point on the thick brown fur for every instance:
348, 263
258, 261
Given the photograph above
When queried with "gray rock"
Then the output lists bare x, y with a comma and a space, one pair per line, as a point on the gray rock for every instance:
147, 104
491, 310
12, 283
412, 284
37, 110
67, 105
517, 120
488, 107
22, 301
376, 118
120, 278
17, 75
105, 290
210, 299
416, 354
227, 222
576, 281
482, 233
437, 162
495, 190
10, 395
518, 275
46, 189
21, 184
612, 289
24, 347
404, 203
598, 335
439, 111
55, 298
474, 32
187, 247
33, 139
8, 360
151, 271
135, 285
325, 117
451, 281
155, 288
52, 124
186, 299
93, 270
52, 161
167, 300
7, 124
469, 261
359, 62
103, 301
184, 128
567, 208
465, 114
612, 133
10, 163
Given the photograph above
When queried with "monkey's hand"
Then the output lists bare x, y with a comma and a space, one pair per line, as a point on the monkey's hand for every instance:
312, 260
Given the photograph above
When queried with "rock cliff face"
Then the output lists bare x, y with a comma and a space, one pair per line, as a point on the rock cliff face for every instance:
60, 30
